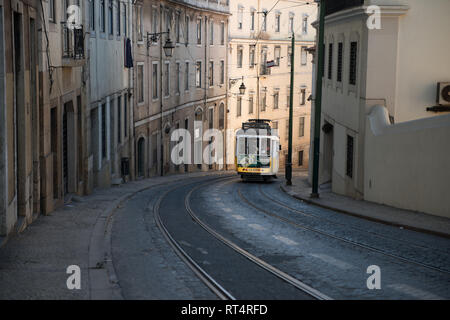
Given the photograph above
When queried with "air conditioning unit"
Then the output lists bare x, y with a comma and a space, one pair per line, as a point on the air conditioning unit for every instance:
443, 93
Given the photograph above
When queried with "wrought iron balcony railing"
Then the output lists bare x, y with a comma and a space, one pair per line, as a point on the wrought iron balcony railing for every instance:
73, 42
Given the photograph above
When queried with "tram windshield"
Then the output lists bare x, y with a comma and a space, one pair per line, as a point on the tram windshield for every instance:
254, 146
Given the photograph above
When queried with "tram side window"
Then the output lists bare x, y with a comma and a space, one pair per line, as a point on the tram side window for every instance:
241, 146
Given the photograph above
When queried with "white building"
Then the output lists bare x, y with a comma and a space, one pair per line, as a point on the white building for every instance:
261, 31
379, 141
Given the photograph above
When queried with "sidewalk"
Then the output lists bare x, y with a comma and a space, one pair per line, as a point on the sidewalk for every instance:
33, 264
417, 221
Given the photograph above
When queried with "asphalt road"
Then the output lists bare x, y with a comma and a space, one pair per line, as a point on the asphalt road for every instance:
324, 250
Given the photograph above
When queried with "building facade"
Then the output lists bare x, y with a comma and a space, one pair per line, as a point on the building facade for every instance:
380, 139
186, 90
42, 98
110, 82
261, 32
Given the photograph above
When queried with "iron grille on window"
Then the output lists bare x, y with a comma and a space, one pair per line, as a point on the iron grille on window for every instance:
353, 53
339, 66
73, 46
330, 61
350, 156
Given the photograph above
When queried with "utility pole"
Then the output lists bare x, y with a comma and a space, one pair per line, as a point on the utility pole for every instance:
288, 166
318, 100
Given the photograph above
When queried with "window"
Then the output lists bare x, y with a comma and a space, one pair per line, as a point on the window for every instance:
263, 99
264, 21
119, 119
167, 79
252, 56
277, 56
102, 16
222, 72
288, 97
125, 115
140, 80
301, 129
349, 156
199, 31
305, 25
186, 77
103, 131
168, 19
177, 27
291, 24
177, 84
330, 61
51, 10
302, 96
124, 13
277, 22
198, 74
155, 25
289, 56
286, 136
239, 56
222, 33
239, 107
140, 27
353, 57
304, 56
211, 118
91, 13
221, 116
340, 60
119, 26
240, 17
276, 98
211, 73
250, 104
300, 158
211, 32
110, 17
186, 26
252, 20
155, 80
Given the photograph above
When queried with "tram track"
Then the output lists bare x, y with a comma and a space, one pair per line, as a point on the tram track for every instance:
376, 234
327, 234
203, 275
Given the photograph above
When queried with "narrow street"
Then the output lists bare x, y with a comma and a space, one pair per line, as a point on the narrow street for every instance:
253, 241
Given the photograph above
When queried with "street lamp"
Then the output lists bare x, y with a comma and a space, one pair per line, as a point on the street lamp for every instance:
168, 48
242, 88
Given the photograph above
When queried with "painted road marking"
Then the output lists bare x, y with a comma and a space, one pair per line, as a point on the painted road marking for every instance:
414, 292
227, 210
286, 240
202, 250
335, 262
238, 217
257, 227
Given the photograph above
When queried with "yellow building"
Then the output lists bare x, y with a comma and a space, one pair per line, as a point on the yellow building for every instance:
260, 31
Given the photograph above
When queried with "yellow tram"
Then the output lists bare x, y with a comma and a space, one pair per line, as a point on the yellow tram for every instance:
257, 150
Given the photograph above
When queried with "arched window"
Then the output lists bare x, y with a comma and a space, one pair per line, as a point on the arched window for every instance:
221, 116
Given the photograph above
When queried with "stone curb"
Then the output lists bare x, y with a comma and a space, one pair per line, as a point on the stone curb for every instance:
358, 215
103, 281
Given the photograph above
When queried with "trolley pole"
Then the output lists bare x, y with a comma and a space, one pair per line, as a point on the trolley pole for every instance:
288, 166
318, 101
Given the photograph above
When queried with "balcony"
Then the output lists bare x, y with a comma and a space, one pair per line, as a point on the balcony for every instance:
265, 70
73, 46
